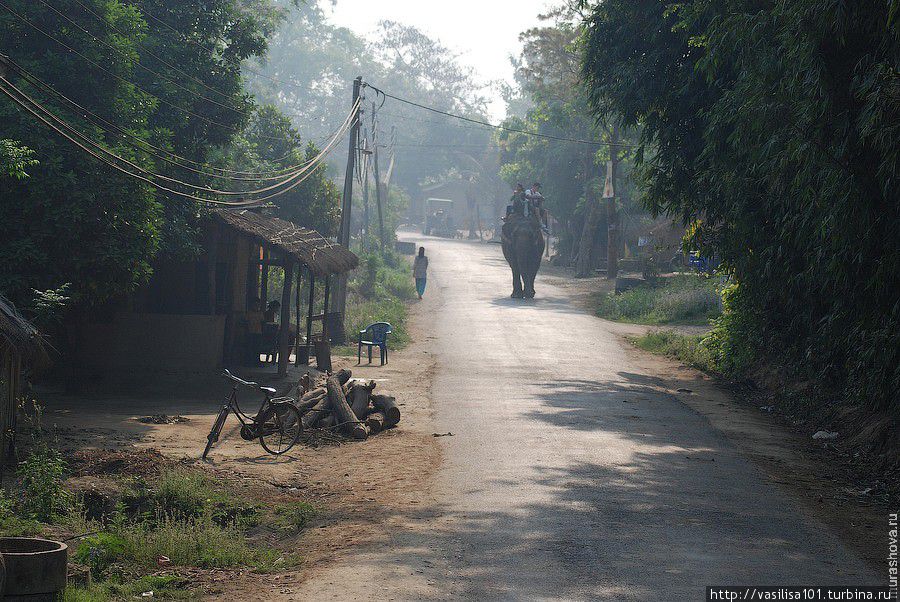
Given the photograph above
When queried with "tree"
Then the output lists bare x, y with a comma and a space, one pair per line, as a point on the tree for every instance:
151, 70
572, 174
271, 144
319, 62
772, 127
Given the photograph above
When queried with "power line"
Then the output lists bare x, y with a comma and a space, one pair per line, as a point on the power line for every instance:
496, 127
160, 153
85, 144
122, 79
27, 107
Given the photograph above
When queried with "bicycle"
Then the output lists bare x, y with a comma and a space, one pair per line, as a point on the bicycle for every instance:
277, 423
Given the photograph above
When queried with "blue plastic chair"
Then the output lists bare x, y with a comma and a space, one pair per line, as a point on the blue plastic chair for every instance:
375, 335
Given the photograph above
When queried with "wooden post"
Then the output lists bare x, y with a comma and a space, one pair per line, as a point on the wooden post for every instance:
340, 293
325, 309
309, 315
377, 177
297, 314
284, 333
612, 214
264, 280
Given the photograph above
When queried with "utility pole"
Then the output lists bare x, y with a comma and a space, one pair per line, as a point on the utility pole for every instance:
339, 291
365, 227
377, 177
612, 215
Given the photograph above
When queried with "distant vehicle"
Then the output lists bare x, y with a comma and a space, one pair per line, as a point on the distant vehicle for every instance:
439, 218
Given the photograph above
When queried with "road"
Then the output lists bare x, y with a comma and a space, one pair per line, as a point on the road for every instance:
571, 473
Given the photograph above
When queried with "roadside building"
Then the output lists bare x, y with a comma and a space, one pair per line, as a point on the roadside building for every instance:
21, 347
197, 315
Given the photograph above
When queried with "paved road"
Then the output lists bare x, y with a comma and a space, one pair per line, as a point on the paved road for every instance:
570, 473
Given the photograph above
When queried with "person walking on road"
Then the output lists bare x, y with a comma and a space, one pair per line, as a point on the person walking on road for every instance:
420, 269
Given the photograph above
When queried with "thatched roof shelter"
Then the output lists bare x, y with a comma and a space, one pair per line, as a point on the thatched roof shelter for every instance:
19, 335
322, 256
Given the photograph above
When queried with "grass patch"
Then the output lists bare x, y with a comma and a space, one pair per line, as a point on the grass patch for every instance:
165, 587
183, 514
683, 299
689, 349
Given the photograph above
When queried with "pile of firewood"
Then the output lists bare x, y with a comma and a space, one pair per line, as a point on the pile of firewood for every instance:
346, 405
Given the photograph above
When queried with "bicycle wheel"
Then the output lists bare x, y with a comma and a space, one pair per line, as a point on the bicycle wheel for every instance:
280, 429
216, 430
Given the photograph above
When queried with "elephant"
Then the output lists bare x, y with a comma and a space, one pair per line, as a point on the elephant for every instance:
523, 246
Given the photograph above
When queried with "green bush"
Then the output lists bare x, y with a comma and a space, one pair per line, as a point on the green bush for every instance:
681, 299
99, 551
377, 293
42, 474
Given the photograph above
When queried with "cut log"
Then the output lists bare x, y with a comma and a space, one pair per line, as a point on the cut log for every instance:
359, 397
315, 414
305, 381
342, 412
313, 394
309, 404
375, 422
387, 405
343, 375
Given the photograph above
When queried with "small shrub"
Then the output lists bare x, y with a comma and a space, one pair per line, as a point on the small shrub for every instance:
13, 525
99, 551
42, 475
293, 517
689, 349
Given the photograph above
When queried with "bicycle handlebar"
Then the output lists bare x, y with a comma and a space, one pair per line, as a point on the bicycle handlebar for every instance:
240, 381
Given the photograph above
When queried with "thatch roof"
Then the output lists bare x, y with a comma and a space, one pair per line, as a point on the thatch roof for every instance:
322, 256
19, 333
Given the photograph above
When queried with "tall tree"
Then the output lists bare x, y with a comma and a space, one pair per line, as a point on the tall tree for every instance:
773, 127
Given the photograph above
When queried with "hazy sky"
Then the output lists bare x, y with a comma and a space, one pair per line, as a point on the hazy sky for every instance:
484, 32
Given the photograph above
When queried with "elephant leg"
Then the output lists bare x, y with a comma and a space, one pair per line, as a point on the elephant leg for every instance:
529, 285
517, 285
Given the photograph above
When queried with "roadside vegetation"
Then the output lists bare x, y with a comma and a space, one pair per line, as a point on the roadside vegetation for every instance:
378, 292
145, 527
802, 215
682, 299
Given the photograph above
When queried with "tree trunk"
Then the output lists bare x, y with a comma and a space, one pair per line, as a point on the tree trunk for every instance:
387, 405
343, 414
585, 264
315, 414
375, 422
359, 397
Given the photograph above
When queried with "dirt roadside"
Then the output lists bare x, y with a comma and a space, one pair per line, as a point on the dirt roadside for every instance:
357, 486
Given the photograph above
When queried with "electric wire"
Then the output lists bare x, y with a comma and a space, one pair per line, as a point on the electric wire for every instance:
160, 153
496, 127
85, 144
100, 158
205, 189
